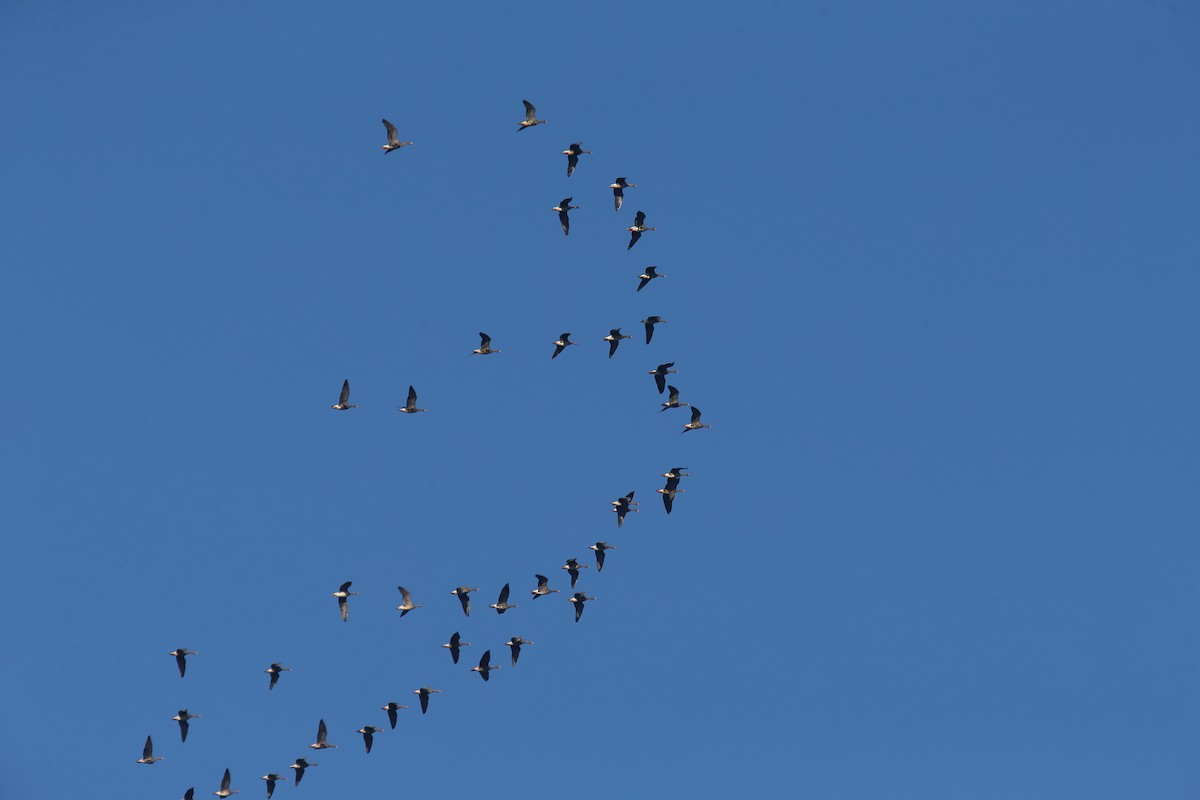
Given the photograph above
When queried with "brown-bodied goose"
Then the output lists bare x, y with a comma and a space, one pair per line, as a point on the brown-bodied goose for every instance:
562, 343
272, 777
368, 732
514, 644
614, 339
563, 210
393, 143
672, 400
225, 791
406, 603
275, 670
485, 346
573, 153
454, 645
543, 587
320, 743
619, 186
424, 693
485, 665
638, 228
182, 718
299, 765
676, 472
343, 402
501, 605
669, 491
464, 597
572, 567
660, 374
579, 598
650, 274
622, 506
410, 406
599, 548
148, 756
181, 655
650, 322
530, 117
341, 595
190, 794
391, 709
695, 424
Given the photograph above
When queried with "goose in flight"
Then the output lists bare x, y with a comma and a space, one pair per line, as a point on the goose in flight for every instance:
600, 547
391, 709
669, 491
485, 346
272, 777
562, 343
410, 407
424, 693
660, 374
514, 644
341, 595
619, 186
406, 604
563, 208
275, 670
182, 718
573, 154
320, 743
299, 765
572, 567
638, 228
614, 339
181, 655
542, 587
454, 645
148, 756
225, 791
501, 605
650, 322
622, 506
530, 117
676, 472
368, 732
650, 274
485, 665
343, 402
695, 424
579, 598
672, 400
393, 143
464, 598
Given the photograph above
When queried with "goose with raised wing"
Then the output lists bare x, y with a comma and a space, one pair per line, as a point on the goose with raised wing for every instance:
225, 791
342, 594
322, 735
485, 665
622, 506
614, 339
410, 406
454, 646
501, 605
695, 424
572, 567
672, 400
638, 227
343, 402
393, 143
530, 117
406, 603
543, 587
148, 756
485, 346
562, 343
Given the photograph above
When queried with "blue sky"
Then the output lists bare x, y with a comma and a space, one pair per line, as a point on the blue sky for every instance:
932, 276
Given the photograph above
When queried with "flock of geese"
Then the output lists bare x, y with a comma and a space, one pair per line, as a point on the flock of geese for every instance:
622, 506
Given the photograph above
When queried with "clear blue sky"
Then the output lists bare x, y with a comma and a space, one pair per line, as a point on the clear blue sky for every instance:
932, 276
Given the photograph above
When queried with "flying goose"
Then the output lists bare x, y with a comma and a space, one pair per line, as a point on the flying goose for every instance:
272, 777
225, 791
454, 644
622, 506
562, 343
650, 274
650, 322
410, 407
676, 472
563, 208
672, 400
660, 374
190, 794
368, 732
619, 186
514, 644
542, 587
614, 339
530, 117
572, 567
301, 764
393, 143
391, 709
485, 346
501, 605
341, 595
148, 756
181, 655
600, 547
182, 718
275, 670
669, 491
406, 603
695, 424
485, 665
424, 693
638, 228
464, 598
320, 743
344, 398
579, 598
573, 154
